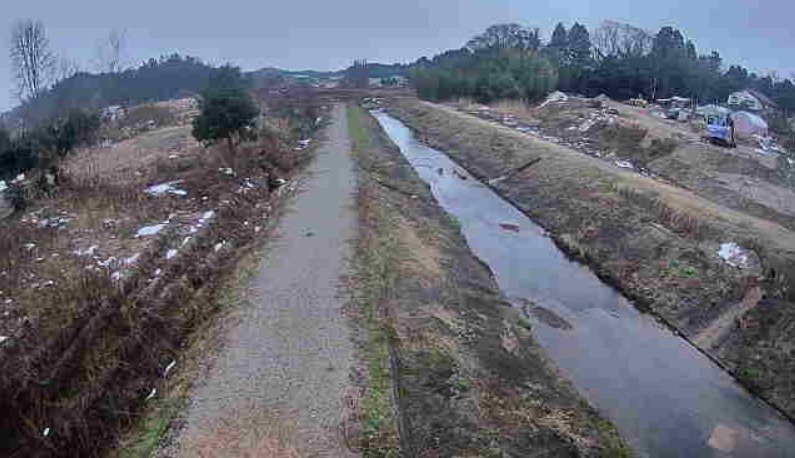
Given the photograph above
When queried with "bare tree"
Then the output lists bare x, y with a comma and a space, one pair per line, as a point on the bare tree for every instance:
67, 68
32, 61
111, 52
506, 36
621, 40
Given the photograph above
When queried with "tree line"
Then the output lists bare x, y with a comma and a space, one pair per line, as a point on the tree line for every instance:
619, 60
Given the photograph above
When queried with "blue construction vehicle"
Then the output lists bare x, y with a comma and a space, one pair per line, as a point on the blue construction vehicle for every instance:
720, 130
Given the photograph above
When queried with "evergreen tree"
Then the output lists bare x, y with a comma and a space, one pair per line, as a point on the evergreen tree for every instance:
579, 44
227, 111
559, 38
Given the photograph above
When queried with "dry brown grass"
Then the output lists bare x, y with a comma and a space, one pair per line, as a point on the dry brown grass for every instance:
422, 258
86, 349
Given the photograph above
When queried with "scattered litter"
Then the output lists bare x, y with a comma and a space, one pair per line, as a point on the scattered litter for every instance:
53, 223
149, 230
165, 188
227, 171
554, 97
185, 241
624, 164
46, 432
9, 301
29, 246
585, 126
219, 246
734, 255
116, 276
3, 185
169, 367
151, 394
208, 215
19, 179
280, 181
171, 253
498, 180
173, 156
157, 272
4, 338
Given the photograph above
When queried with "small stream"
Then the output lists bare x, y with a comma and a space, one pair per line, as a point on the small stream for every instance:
666, 398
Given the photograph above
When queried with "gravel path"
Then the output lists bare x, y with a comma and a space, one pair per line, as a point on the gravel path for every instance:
276, 386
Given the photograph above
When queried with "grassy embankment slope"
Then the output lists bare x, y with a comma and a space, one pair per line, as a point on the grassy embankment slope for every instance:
656, 242
440, 343
103, 281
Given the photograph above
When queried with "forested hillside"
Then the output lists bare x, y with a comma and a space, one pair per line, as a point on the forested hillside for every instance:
619, 60
156, 79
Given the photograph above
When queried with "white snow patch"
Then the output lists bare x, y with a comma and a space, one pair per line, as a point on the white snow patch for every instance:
4, 338
734, 255
131, 260
165, 188
151, 394
87, 252
149, 230
624, 164
227, 171
171, 253
107, 262
29, 246
46, 432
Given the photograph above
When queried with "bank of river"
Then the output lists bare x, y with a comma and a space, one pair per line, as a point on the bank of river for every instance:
666, 397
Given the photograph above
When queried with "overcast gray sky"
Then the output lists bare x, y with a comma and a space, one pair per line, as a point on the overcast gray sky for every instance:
300, 34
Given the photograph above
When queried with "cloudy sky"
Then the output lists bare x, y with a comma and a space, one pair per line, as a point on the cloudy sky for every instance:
299, 34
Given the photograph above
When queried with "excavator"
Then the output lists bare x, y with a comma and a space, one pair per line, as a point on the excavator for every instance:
720, 130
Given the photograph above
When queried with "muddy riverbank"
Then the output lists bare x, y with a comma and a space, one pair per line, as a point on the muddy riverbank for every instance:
656, 243
469, 377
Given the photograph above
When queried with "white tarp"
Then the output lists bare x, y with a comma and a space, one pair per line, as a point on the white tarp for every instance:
556, 96
747, 124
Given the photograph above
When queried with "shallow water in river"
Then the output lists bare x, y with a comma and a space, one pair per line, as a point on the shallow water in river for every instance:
666, 398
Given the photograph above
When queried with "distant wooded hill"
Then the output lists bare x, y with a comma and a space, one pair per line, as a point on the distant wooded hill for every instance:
157, 79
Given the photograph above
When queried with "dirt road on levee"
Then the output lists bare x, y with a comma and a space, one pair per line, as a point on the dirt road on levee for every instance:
275, 388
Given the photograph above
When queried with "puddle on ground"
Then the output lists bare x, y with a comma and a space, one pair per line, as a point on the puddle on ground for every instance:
666, 398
